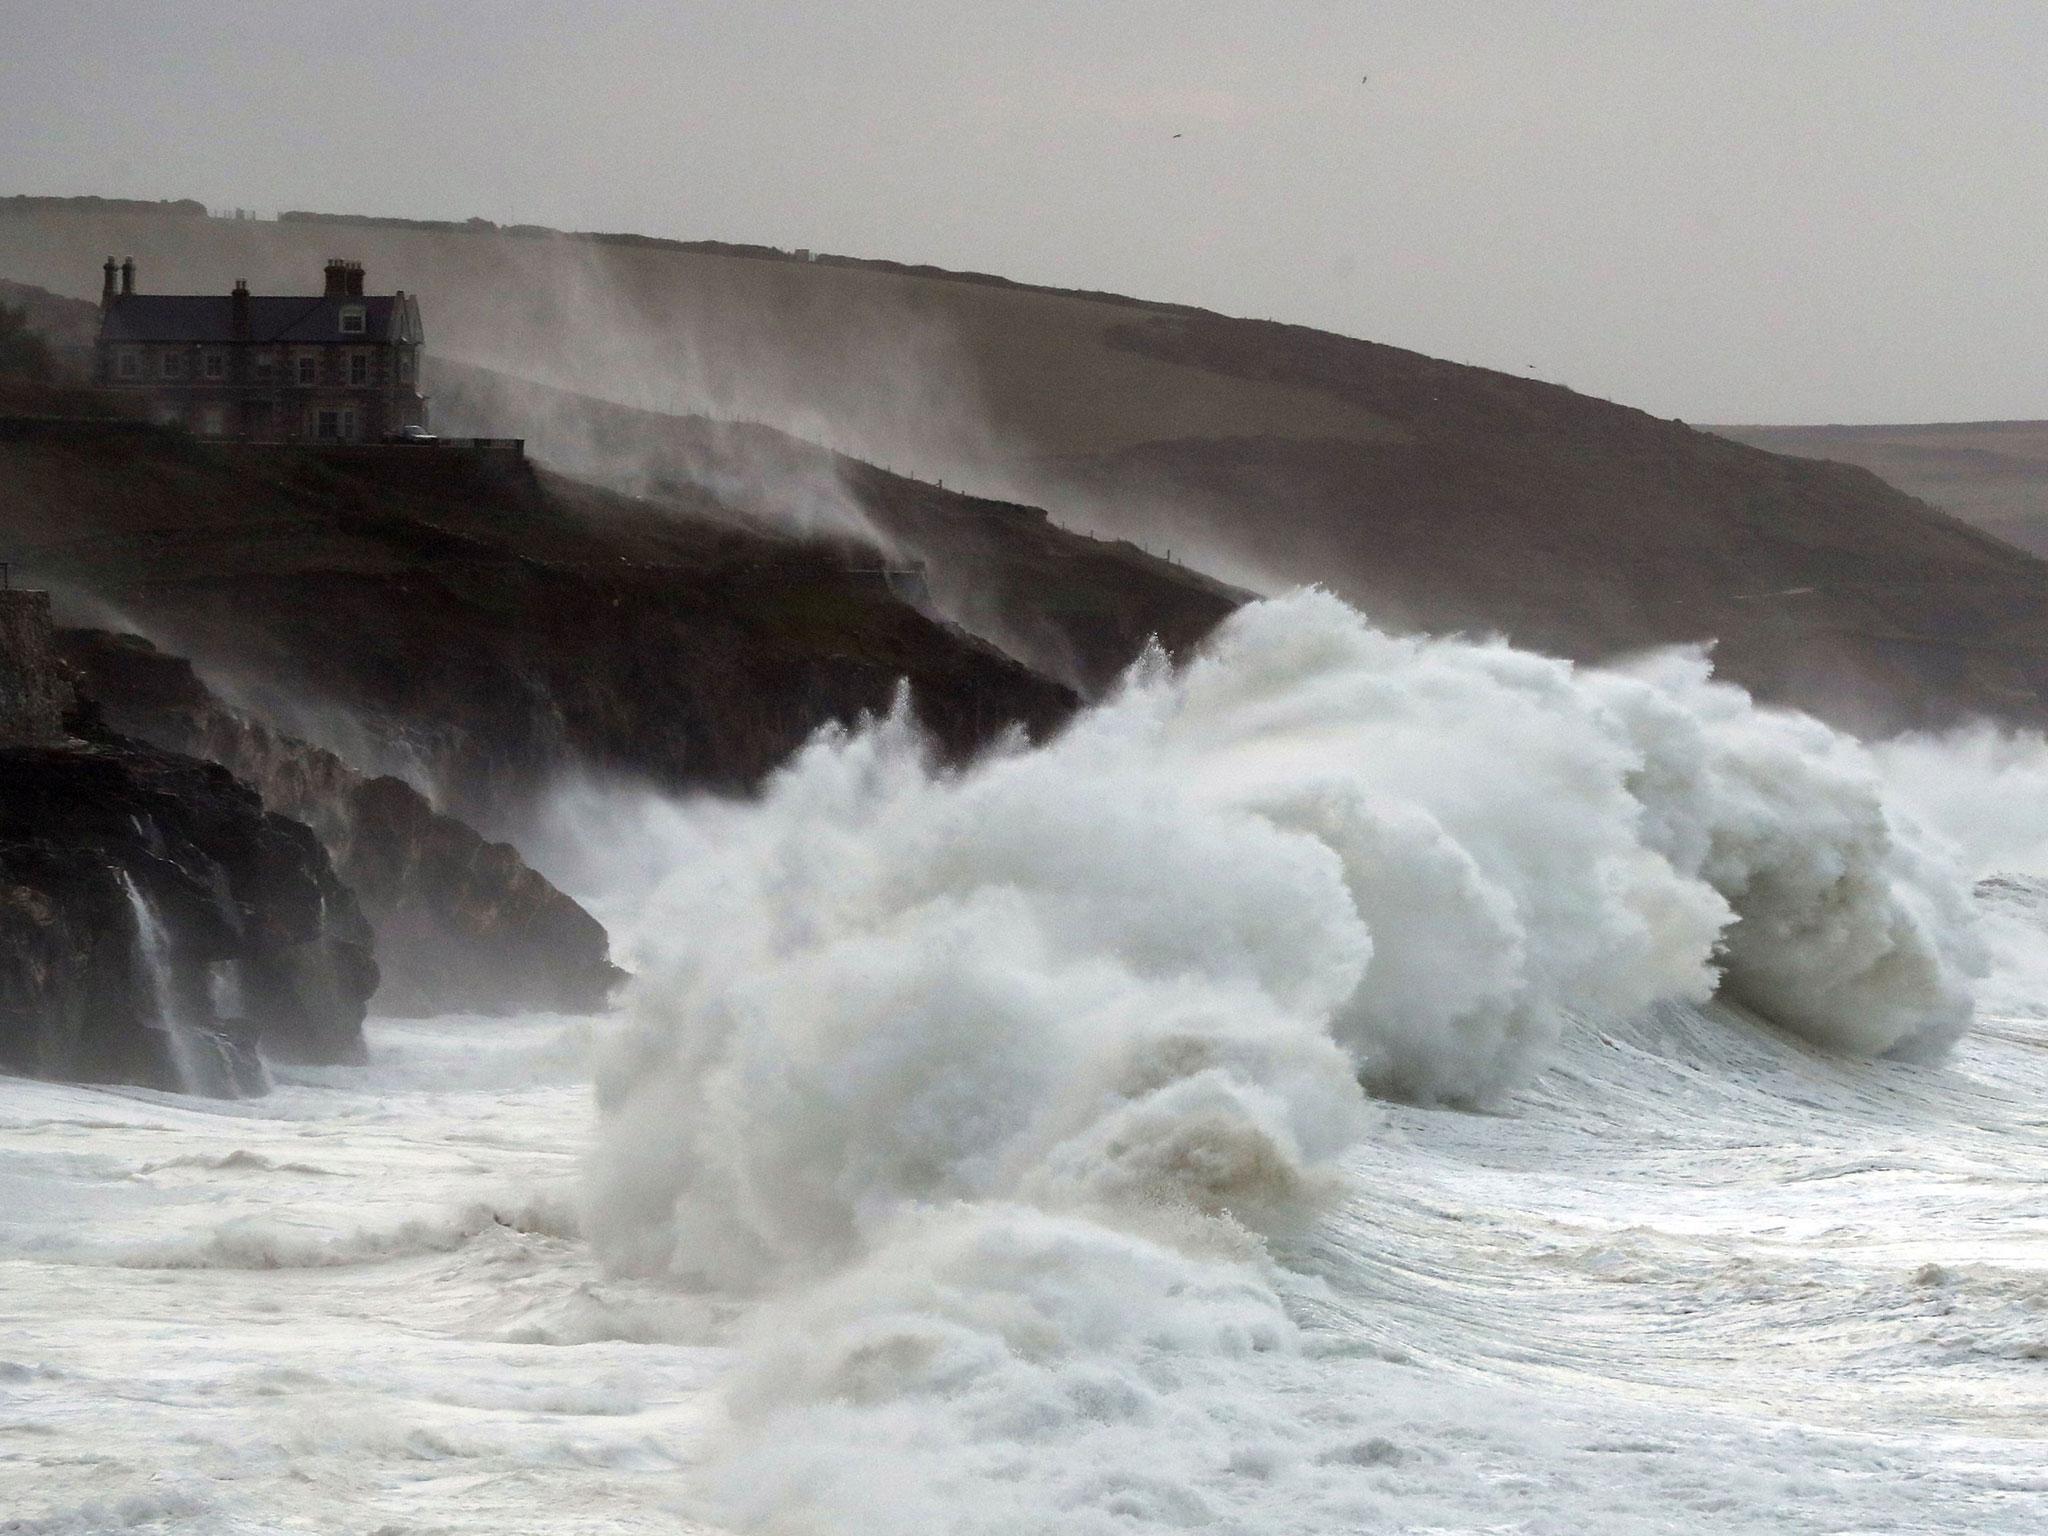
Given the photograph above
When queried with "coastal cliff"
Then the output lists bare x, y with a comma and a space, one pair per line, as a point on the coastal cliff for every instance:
158, 926
462, 924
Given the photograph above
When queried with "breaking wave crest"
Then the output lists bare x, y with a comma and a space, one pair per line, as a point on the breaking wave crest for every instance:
997, 1086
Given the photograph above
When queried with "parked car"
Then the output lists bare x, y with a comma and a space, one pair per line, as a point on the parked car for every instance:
412, 434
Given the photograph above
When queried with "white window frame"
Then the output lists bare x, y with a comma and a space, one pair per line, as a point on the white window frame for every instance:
266, 365
213, 421
171, 365
355, 320
306, 370
213, 364
359, 370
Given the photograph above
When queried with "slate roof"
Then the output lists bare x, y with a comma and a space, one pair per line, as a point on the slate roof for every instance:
210, 317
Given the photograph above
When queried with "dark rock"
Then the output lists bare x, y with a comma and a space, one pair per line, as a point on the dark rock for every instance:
157, 925
462, 924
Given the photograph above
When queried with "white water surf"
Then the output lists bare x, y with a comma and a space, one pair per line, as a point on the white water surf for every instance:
982, 1152
1697, 1276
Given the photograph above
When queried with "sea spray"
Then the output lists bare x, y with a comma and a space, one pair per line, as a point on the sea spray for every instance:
1985, 790
1853, 926
201, 1059
184, 1050
994, 1085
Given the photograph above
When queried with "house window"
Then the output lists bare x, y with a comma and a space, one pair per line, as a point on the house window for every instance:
352, 320
266, 366
405, 366
335, 424
172, 365
128, 363
213, 421
309, 369
215, 365
359, 368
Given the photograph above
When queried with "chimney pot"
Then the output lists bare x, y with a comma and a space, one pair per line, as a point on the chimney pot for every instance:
127, 276
109, 283
337, 278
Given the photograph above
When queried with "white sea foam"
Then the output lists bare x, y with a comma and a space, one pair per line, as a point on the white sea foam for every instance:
1985, 790
986, 1151
995, 1086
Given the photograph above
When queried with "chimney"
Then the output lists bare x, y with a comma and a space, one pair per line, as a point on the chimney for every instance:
238, 307
107, 290
127, 277
355, 279
337, 279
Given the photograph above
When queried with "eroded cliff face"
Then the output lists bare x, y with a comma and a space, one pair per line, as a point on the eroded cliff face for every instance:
493, 629
158, 926
461, 923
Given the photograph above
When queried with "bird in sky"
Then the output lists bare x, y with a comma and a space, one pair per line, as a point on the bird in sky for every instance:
1176, 135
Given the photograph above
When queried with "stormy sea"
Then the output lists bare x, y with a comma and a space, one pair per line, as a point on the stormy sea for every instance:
1342, 1082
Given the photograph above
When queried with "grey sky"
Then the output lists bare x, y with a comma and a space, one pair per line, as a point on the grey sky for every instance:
1719, 210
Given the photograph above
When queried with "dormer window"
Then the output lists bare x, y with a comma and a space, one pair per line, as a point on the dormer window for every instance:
353, 320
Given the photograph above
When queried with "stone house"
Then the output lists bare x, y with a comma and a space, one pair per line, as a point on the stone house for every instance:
340, 366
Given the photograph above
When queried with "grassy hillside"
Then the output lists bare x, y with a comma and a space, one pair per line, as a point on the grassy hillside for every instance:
1433, 494
1991, 474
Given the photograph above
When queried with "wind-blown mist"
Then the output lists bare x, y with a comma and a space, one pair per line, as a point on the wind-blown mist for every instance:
997, 1083
1985, 790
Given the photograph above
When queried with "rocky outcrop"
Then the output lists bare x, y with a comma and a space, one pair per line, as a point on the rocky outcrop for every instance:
158, 926
461, 923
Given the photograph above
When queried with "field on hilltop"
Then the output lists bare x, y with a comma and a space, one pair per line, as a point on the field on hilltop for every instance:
1432, 494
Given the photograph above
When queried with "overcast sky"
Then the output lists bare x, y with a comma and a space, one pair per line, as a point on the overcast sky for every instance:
1719, 210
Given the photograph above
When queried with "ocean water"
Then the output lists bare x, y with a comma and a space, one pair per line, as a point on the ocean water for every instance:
1697, 1277
1343, 1084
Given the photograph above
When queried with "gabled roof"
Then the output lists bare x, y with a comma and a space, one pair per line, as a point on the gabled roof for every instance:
210, 317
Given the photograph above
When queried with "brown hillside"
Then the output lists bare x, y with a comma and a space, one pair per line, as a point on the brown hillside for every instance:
1991, 474
1433, 494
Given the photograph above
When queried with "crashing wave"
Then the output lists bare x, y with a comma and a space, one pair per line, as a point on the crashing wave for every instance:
955, 1060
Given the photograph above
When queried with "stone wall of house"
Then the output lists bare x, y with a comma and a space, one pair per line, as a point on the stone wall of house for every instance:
33, 692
